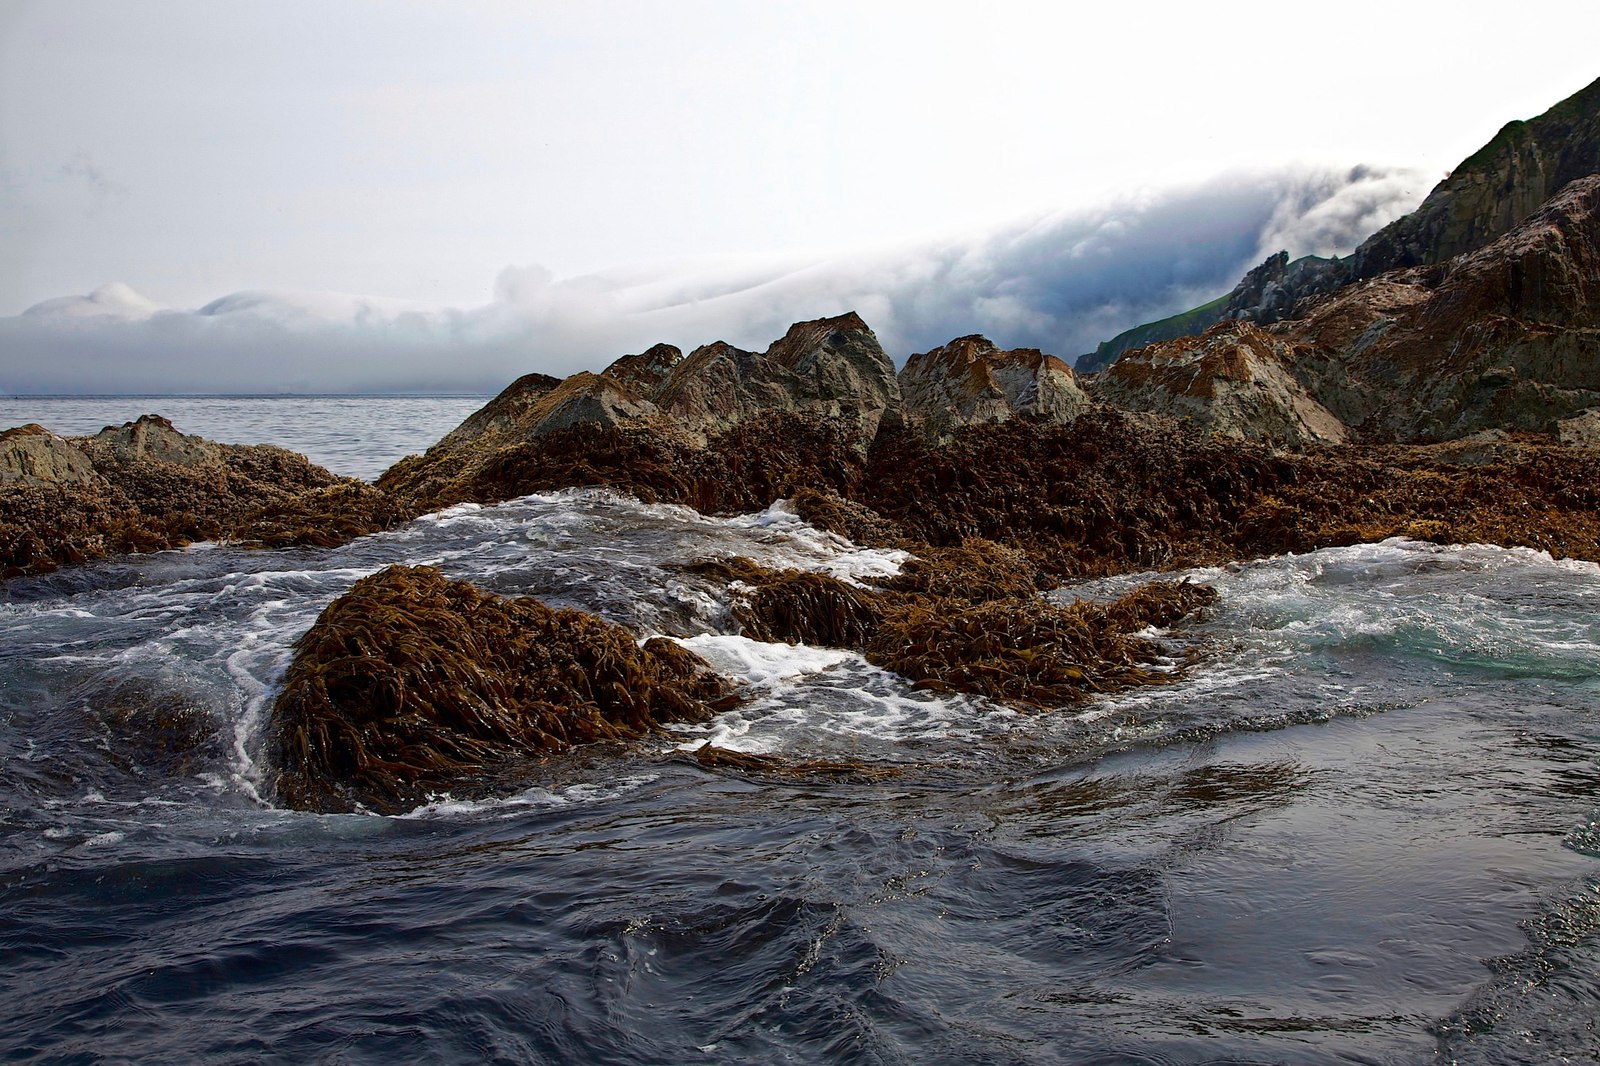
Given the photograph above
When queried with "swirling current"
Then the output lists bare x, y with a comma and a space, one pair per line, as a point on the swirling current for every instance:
1364, 828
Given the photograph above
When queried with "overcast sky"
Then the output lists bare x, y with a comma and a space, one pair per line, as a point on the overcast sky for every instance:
449, 162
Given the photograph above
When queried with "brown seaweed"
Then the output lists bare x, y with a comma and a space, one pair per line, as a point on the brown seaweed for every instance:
411, 684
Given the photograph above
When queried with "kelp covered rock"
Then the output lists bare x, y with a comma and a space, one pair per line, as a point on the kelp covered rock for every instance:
1032, 653
1001, 639
144, 486
412, 684
1109, 495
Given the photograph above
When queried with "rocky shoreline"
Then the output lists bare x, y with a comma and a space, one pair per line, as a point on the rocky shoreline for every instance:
1447, 398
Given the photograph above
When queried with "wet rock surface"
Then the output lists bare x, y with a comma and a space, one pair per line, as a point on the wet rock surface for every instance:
952, 626
412, 684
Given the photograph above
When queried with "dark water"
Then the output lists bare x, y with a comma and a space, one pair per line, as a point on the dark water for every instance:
1363, 830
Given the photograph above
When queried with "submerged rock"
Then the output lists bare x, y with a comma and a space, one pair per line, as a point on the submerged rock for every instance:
411, 684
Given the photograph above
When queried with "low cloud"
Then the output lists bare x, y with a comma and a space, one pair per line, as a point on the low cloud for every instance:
1061, 282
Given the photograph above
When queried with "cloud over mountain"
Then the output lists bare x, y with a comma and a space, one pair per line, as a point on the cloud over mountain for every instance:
1061, 282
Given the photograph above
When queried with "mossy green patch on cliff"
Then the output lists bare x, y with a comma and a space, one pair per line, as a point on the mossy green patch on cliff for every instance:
1183, 324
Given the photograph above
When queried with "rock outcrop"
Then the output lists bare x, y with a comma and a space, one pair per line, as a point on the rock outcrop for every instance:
684, 424
32, 455
1492, 190
1234, 380
412, 684
970, 381
152, 438
827, 368
646, 372
1485, 197
1506, 337
500, 421
144, 486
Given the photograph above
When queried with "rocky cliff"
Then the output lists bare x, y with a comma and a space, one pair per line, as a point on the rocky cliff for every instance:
1483, 198
827, 368
1492, 190
1503, 337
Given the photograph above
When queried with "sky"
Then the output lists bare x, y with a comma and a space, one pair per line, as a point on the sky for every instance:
332, 196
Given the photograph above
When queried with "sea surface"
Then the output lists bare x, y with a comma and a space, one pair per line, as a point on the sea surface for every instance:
1365, 826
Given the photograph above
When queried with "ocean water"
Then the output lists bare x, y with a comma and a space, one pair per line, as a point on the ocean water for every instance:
1364, 828
357, 436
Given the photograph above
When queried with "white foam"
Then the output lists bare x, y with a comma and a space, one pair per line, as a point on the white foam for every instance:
456, 511
537, 798
793, 542
755, 662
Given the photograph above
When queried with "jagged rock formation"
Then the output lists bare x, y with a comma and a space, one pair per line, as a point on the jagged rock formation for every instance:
971, 381
646, 372
1505, 337
1235, 380
1492, 190
500, 420
1272, 291
144, 486
698, 418
411, 684
828, 368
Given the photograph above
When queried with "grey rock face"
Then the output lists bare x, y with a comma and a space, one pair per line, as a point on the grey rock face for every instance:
970, 381
646, 372
153, 437
1235, 379
498, 421
1581, 430
831, 367
1507, 336
33, 455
